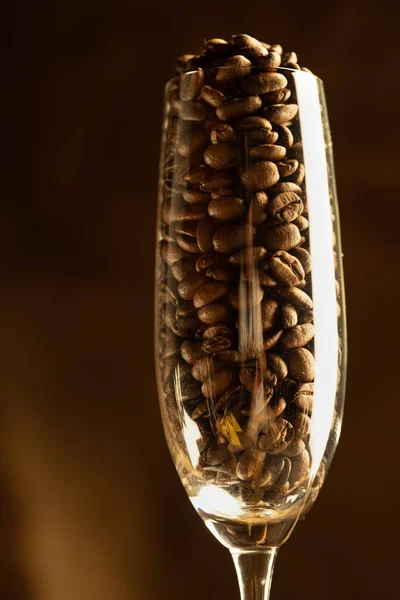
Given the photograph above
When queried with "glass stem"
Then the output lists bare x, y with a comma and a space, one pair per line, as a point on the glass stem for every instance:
254, 570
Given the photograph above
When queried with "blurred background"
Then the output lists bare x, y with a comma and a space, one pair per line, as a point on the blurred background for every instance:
90, 505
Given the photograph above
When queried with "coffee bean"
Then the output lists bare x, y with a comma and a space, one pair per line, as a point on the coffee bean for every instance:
281, 237
216, 345
278, 435
304, 397
300, 364
250, 256
209, 292
244, 42
269, 313
297, 336
168, 314
196, 197
297, 151
286, 268
193, 212
192, 142
185, 327
187, 243
260, 176
238, 108
272, 470
297, 297
222, 156
249, 462
288, 167
188, 286
278, 366
216, 454
285, 136
300, 466
281, 113
193, 111
188, 388
259, 136
253, 124
285, 207
289, 57
223, 133
288, 315
285, 186
301, 222
221, 272
188, 228
271, 61
212, 96
205, 232
271, 339
229, 238
171, 253
182, 62
295, 448
230, 356
267, 152
217, 47
298, 176
226, 208
302, 425
190, 85
258, 208
204, 367
217, 383
223, 191
191, 351
195, 175
234, 69
213, 313
216, 330
276, 407
205, 260
277, 492
261, 83
201, 411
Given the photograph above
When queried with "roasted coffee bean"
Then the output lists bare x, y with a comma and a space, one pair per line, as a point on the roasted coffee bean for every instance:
187, 243
182, 62
260, 136
170, 346
230, 356
205, 260
250, 256
285, 136
213, 313
188, 388
191, 351
288, 315
289, 57
193, 111
302, 425
182, 267
269, 313
190, 85
288, 167
188, 286
252, 124
249, 463
267, 152
216, 454
277, 365
229, 238
216, 330
169, 293
222, 191
238, 108
262, 83
277, 97
271, 61
168, 314
218, 383
304, 397
297, 297
298, 175
278, 433
234, 69
201, 411
272, 471
300, 467
300, 364
167, 234
216, 47
186, 310
209, 292
204, 368
281, 237
188, 228
212, 96
172, 252
286, 268
194, 212
276, 407
223, 133
195, 175
218, 344
281, 113
205, 232
297, 151
271, 339
226, 208
301, 222
221, 272
297, 336
285, 207
192, 142
285, 186
222, 156
185, 327
247, 43
251, 297
196, 197
295, 448
260, 176
258, 208
277, 492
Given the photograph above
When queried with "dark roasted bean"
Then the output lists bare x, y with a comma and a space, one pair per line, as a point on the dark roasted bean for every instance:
226, 208
191, 143
221, 272
258, 208
269, 313
300, 364
251, 256
253, 123
288, 315
300, 466
285, 136
234, 69
204, 367
288, 167
278, 366
285, 207
188, 286
260, 136
295, 448
229, 238
302, 425
222, 156
196, 197
193, 111
188, 228
216, 330
271, 61
238, 108
223, 133
212, 96
187, 243
281, 113
218, 383
285, 186
262, 83
190, 85
297, 297
298, 336
191, 351
205, 231
213, 313
182, 267
260, 176
205, 260
271, 339
218, 344
209, 292
304, 397
301, 222
286, 268
281, 237
172, 252
267, 152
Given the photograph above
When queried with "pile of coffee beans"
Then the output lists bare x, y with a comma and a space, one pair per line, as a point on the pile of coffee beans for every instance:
236, 309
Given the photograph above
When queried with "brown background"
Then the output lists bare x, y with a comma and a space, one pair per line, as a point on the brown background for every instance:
91, 508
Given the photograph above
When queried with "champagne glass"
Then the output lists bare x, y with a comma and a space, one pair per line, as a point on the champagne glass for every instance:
250, 319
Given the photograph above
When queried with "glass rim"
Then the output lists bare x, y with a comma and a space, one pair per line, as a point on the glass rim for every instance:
258, 68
